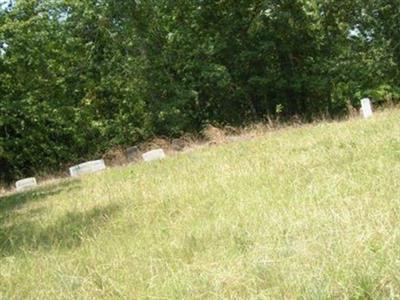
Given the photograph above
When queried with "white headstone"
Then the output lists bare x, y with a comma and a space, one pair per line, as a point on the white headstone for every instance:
87, 168
366, 108
26, 184
154, 155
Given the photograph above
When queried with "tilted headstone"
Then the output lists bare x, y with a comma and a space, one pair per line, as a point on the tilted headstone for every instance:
154, 155
366, 108
178, 144
87, 168
132, 152
26, 184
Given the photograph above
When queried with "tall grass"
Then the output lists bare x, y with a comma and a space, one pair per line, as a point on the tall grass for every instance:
300, 213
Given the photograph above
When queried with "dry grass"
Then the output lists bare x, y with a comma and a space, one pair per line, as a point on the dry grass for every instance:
210, 136
306, 212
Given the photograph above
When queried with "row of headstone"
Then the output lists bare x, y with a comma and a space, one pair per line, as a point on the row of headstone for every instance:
158, 154
99, 165
90, 167
85, 168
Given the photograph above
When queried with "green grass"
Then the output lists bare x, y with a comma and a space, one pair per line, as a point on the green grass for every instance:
311, 212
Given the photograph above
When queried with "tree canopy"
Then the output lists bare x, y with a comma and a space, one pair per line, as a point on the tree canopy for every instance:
78, 77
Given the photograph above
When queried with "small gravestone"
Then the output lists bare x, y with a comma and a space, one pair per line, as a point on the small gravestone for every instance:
154, 155
132, 152
26, 184
366, 108
87, 168
178, 144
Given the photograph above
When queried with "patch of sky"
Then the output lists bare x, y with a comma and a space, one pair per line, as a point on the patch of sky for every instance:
3, 48
7, 4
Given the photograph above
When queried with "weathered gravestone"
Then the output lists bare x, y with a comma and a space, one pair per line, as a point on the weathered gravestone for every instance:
178, 144
366, 108
132, 152
87, 168
25, 184
154, 155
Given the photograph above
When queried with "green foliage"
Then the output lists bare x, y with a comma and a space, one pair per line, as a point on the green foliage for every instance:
80, 76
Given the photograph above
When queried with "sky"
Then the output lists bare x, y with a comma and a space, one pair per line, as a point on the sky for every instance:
4, 3
3, 46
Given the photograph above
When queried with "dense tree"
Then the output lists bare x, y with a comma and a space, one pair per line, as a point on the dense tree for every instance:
80, 76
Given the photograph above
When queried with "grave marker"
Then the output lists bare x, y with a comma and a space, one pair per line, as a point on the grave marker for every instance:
25, 184
87, 168
154, 155
366, 108
132, 152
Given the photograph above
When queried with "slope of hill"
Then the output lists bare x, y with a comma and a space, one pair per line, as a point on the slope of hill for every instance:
304, 212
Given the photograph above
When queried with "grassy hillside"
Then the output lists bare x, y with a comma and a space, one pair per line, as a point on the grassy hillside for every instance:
309, 212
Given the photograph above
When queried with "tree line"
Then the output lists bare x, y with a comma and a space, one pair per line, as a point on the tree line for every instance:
78, 77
